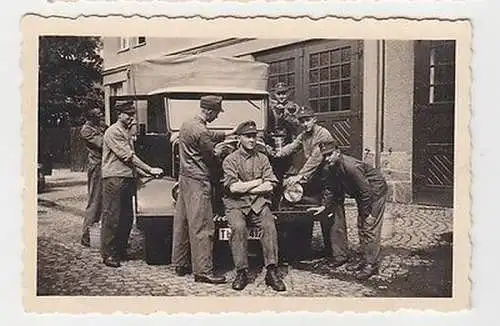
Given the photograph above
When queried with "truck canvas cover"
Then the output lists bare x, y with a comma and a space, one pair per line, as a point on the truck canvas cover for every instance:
198, 72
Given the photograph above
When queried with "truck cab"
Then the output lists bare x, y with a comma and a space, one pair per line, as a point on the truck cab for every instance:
160, 114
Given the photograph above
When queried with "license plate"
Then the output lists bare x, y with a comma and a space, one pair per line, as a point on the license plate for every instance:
253, 233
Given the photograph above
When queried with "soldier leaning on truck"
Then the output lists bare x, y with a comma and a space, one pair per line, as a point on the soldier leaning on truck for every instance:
249, 181
193, 229
92, 133
309, 173
342, 174
119, 169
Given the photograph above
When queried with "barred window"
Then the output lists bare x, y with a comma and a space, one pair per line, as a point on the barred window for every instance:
442, 72
283, 71
330, 80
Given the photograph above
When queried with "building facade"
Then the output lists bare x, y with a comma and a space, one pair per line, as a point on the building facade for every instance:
390, 102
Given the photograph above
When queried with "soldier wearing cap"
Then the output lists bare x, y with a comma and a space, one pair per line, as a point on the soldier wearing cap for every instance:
307, 172
92, 133
342, 174
309, 140
194, 228
249, 181
283, 125
120, 166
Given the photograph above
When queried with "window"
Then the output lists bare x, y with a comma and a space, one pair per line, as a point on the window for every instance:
236, 110
140, 40
156, 119
442, 72
116, 89
124, 44
330, 80
283, 71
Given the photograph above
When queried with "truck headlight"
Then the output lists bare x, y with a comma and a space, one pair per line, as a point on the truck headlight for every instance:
175, 191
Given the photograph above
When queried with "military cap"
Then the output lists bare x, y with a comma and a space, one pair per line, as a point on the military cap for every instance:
280, 87
327, 148
211, 102
305, 112
247, 127
125, 107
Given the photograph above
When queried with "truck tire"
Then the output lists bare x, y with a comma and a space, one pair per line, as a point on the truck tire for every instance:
158, 239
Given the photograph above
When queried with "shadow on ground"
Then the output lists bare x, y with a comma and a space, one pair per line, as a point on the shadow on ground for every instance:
424, 273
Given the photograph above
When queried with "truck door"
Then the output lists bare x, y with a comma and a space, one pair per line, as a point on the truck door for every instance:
152, 139
152, 145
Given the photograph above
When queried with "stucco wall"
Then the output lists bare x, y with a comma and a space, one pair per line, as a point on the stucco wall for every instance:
369, 99
396, 159
396, 147
398, 112
154, 46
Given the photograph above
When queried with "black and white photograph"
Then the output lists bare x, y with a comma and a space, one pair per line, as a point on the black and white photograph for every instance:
246, 166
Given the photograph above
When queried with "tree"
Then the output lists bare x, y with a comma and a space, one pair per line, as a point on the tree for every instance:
70, 81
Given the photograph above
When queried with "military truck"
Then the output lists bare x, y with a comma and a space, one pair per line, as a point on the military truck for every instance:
167, 91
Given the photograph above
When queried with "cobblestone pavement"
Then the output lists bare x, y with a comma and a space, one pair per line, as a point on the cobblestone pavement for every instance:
416, 257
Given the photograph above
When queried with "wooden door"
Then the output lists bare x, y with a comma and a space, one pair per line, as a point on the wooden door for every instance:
332, 80
433, 125
327, 76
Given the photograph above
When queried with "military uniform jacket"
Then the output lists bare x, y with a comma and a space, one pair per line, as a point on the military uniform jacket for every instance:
246, 166
93, 138
354, 177
310, 144
196, 149
286, 125
117, 152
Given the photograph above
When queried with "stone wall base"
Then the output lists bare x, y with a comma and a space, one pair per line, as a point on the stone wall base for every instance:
396, 167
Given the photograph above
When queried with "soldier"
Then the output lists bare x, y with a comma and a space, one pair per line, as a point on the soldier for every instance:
342, 174
92, 133
194, 228
119, 169
309, 172
309, 140
249, 180
283, 125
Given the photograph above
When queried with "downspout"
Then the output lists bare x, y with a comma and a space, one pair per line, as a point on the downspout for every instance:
379, 122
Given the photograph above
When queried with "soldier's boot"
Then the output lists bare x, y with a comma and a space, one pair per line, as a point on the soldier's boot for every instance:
85, 240
212, 279
367, 271
355, 266
274, 280
183, 270
241, 280
111, 262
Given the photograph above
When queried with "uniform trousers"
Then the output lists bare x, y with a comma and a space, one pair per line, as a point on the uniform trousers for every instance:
94, 204
194, 229
117, 215
238, 222
369, 231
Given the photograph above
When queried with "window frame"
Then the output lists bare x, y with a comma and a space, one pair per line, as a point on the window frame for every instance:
113, 89
138, 43
433, 64
121, 46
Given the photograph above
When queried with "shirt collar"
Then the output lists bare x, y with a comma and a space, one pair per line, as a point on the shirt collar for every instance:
201, 119
122, 126
246, 154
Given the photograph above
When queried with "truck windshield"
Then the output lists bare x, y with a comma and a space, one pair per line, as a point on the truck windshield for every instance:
235, 111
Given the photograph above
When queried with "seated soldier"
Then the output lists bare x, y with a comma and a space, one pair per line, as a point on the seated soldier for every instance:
249, 181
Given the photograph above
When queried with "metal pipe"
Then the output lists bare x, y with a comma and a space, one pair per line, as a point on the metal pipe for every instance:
379, 122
